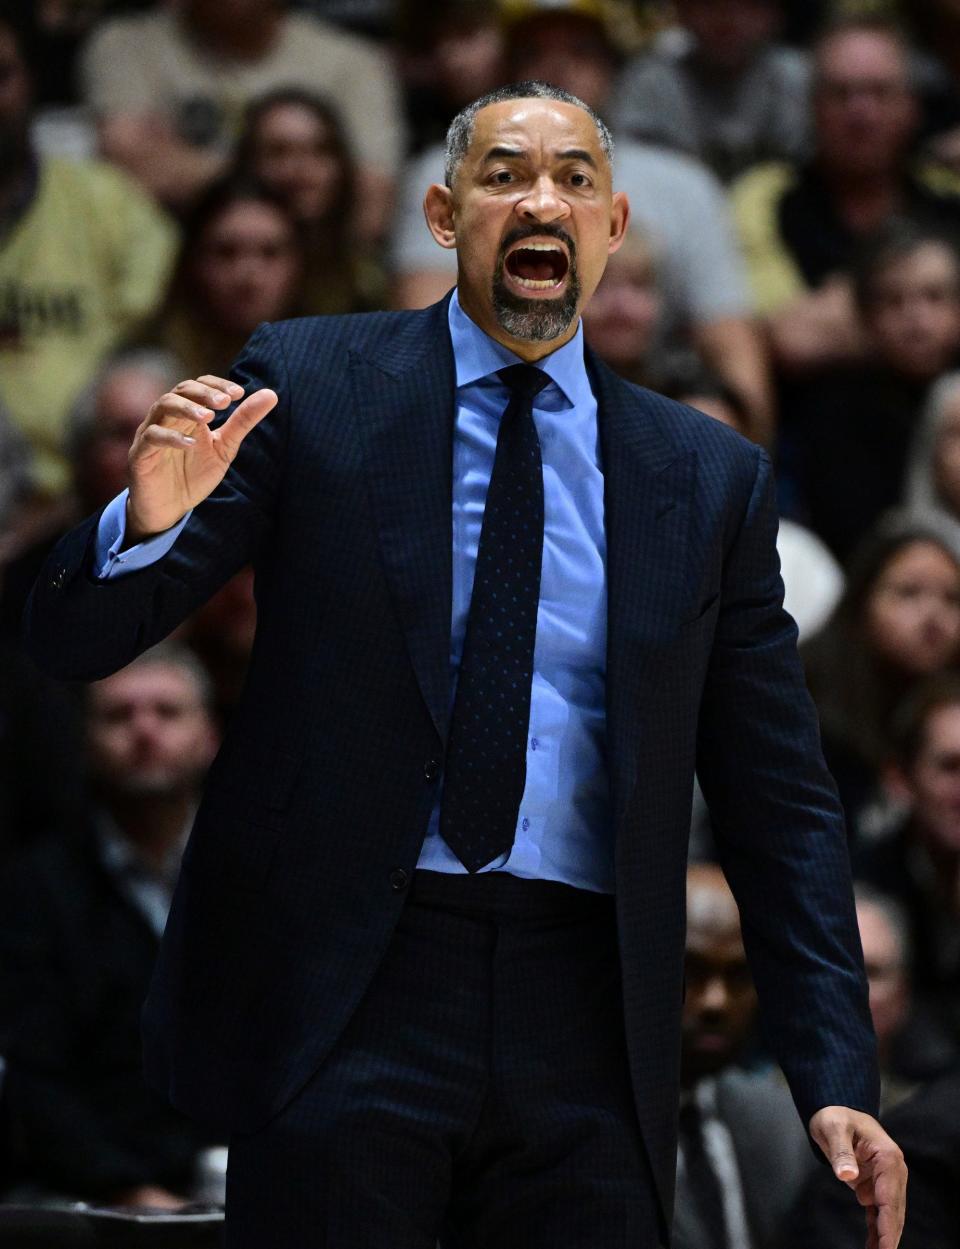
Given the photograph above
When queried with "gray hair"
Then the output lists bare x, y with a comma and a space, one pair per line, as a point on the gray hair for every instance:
170, 654
920, 490
82, 417
460, 132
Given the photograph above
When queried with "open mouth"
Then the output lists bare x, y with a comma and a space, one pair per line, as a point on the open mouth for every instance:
538, 266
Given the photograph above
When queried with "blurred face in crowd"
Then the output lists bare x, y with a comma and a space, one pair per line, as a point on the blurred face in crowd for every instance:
620, 320
247, 266
933, 781
716, 406
886, 973
729, 33
149, 734
533, 217
14, 103
946, 456
720, 1003
914, 313
913, 611
122, 400
467, 58
295, 155
863, 104
567, 50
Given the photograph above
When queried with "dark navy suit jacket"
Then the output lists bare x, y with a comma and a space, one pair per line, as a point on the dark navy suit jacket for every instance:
317, 805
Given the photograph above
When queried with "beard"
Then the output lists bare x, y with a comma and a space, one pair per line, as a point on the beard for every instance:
535, 320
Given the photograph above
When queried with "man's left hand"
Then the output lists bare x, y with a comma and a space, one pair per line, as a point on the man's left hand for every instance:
866, 1159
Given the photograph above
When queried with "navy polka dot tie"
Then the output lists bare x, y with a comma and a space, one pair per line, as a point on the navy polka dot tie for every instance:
486, 765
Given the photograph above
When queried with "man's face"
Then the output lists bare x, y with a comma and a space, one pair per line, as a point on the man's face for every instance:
122, 405
14, 102
729, 32
620, 322
720, 1002
533, 218
934, 781
886, 975
864, 107
914, 316
148, 732
566, 49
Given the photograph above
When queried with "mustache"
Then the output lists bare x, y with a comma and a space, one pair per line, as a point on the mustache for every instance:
547, 230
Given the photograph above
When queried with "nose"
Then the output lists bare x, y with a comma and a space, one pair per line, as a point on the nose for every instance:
542, 203
714, 997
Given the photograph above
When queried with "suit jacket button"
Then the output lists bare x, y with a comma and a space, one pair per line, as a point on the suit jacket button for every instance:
399, 879
431, 769
56, 581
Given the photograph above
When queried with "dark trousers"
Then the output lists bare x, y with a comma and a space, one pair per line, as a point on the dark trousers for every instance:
479, 1095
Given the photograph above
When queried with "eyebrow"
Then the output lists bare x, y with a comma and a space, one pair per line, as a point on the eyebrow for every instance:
516, 153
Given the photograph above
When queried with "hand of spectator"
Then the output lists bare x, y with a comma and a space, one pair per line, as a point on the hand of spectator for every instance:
176, 460
865, 1158
150, 1195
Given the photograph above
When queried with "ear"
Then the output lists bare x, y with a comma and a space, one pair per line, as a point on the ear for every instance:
438, 210
619, 220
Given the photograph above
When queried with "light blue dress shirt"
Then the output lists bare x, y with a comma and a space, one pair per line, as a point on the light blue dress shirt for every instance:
564, 827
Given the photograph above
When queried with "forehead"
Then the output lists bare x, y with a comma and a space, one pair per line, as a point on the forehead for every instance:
534, 126
145, 682
862, 53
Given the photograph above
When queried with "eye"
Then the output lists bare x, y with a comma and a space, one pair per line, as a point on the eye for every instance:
579, 179
502, 177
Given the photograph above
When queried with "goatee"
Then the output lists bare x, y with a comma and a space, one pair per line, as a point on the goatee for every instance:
535, 320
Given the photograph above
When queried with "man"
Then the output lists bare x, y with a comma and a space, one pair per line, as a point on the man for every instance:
737, 1128
80, 920
919, 865
84, 257
678, 204
719, 88
399, 1051
169, 88
801, 225
885, 937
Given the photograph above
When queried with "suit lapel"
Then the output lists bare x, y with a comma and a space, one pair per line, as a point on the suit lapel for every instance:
648, 482
405, 399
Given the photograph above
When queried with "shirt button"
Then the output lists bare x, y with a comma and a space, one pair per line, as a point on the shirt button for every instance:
431, 769
399, 879
534, 743
524, 823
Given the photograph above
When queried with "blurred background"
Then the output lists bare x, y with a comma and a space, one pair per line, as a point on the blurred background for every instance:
173, 173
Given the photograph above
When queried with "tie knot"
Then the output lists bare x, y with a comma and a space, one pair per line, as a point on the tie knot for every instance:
523, 380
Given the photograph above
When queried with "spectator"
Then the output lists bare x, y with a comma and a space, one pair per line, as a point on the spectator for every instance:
897, 622
293, 143
98, 433
801, 224
452, 53
621, 322
919, 864
737, 1129
864, 416
812, 578
719, 88
241, 262
83, 259
927, 1126
80, 922
887, 956
678, 205
933, 467
169, 88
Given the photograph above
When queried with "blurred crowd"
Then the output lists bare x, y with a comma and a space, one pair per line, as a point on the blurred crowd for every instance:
174, 172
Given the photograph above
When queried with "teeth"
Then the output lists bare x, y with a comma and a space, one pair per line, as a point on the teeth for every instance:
538, 247
533, 285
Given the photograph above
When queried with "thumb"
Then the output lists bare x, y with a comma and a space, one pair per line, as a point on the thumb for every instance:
835, 1138
245, 416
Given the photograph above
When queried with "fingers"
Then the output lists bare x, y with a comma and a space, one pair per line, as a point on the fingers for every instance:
161, 436
245, 416
835, 1137
214, 392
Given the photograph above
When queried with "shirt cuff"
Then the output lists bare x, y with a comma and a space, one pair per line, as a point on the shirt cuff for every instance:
109, 561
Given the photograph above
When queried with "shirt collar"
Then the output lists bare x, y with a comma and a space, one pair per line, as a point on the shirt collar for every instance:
477, 356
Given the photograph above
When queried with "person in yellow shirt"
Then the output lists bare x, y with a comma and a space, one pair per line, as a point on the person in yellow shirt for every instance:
84, 258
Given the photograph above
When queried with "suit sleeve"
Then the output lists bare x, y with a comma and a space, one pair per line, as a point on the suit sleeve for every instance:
78, 627
780, 830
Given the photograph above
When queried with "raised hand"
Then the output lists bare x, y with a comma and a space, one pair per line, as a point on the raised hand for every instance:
867, 1160
176, 459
